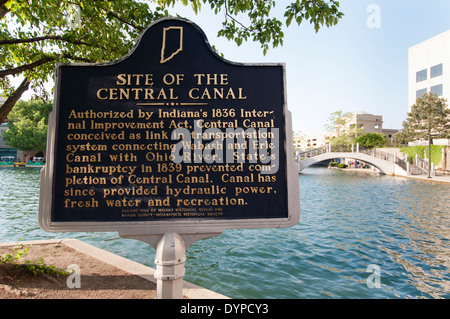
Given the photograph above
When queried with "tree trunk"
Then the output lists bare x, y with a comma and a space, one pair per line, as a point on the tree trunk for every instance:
3, 9
30, 154
12, 100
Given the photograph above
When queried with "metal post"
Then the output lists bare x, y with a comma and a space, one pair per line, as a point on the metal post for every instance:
357, 147
429, 155
169, 260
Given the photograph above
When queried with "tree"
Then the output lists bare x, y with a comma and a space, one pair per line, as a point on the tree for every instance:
371, 140
342, 142
344, 136
34, 35
297, 134
27, 126
336, 122
429, 116
403, 136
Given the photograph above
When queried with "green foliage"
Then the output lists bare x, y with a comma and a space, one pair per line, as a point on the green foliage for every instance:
39, 266
35, 266
430, 115
27, 126
338, 165
345, 140
34, 35
318, 13
344, 137
342, 142
336, 120
371, 140
422, 153
333, 164
15, 255
260, 25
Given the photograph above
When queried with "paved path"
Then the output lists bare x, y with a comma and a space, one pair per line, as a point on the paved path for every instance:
440, 179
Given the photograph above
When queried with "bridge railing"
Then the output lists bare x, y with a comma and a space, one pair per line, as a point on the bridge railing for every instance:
383, 155
413, 169
311, 153
420, 166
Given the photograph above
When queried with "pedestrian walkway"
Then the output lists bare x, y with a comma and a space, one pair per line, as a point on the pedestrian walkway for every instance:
437, 179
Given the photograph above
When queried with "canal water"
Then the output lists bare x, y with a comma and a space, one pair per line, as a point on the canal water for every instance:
360, 236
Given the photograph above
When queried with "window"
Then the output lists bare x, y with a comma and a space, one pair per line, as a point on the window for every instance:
436, 71
419, 93
377, 127
437, 89
421, 75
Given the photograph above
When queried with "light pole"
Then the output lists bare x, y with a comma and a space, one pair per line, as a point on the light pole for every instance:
429, 152
429, 155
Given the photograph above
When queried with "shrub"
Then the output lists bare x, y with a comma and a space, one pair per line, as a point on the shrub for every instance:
334, 164
35, 266
371, 140
422, 152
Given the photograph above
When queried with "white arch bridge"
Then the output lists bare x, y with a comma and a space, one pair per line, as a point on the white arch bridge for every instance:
387, 163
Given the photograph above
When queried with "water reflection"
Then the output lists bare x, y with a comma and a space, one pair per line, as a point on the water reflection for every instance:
348, 222
425, 250
412, 230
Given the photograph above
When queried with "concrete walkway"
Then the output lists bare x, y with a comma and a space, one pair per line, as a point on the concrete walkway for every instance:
433, 179
436, 179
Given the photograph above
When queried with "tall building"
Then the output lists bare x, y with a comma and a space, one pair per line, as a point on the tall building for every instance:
429, 71
429, 68
368, 123
305, 143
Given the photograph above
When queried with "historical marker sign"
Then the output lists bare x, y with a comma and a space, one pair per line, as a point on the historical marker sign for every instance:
171, 137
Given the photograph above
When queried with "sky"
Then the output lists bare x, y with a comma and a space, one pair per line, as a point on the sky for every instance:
361, 64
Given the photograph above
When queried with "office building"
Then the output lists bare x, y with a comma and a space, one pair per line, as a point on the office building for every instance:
429, 68
429, 71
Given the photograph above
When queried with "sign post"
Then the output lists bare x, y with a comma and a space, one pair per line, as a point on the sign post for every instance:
169, 145
170, 258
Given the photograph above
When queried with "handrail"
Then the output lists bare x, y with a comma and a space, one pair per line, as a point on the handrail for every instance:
421, 166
